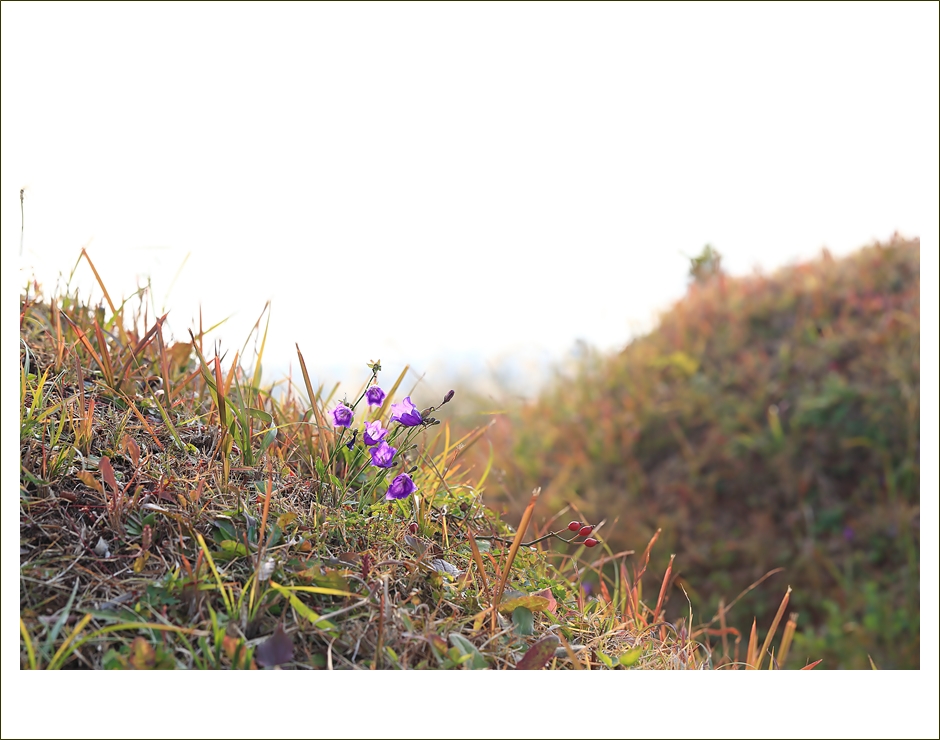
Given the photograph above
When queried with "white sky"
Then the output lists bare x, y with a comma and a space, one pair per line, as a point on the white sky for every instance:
415, 182
420, 182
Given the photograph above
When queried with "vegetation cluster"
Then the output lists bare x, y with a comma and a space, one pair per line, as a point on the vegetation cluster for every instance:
767, 422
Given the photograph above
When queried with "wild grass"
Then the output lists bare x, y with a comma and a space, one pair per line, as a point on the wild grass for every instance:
176, 513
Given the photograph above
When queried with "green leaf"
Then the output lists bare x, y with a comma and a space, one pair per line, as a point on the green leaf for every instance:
231, 549
467, 648
524, 620
269, 438
605, 659
226, 528
483, 545
260, 414
630, 657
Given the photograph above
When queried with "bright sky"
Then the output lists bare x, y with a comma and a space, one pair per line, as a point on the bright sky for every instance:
422, 182
418, 182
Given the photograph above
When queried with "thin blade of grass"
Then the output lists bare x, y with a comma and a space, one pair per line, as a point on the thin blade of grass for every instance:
256, 377
477, 559
513, 549
751, 659
30, 653
788, 631
662, 590
773, 627
106, 368
61, 656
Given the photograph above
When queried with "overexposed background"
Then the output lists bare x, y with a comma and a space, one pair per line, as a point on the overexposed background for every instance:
447, 185
453, 185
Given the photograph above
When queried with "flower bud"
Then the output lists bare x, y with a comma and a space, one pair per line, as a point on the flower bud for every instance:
413, 528
450, 395
585, 530
574, 526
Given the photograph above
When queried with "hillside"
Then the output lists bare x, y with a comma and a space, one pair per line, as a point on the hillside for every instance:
768, 422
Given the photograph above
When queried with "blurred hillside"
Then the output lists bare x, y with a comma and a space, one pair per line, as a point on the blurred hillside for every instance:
769, 421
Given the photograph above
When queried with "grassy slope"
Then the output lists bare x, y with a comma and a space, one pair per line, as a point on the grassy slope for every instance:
167, 524
767, 422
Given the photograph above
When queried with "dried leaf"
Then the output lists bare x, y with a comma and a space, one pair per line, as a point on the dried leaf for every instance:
89, 480
142, 655
107, 474
101, 549
132, 449
538, 655
285, 519
236, 650
547, 593
276, 650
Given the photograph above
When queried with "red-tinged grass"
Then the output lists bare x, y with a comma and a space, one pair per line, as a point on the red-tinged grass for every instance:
174, 513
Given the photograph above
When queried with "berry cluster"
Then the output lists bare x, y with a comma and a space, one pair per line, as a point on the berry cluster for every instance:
583, 530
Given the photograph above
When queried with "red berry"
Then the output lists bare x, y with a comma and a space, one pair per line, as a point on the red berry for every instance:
413, 528
585, 530
574, 526
590, 542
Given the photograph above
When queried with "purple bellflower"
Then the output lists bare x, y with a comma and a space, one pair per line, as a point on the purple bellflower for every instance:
382, 455
401, 487
342, 416
374, 433
375, 395
405, 413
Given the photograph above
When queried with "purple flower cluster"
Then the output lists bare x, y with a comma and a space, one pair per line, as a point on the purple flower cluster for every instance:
373, 435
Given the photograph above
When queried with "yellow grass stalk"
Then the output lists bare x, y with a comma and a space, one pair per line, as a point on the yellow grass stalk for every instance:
773, 627
788, 631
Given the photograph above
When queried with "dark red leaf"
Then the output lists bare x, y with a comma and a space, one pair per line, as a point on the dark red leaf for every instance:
277, 649
538, 655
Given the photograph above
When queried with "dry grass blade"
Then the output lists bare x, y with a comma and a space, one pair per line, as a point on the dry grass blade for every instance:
773, 627
477, 559
662, 594
513, 549
751, 659
106, 367
788, 631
